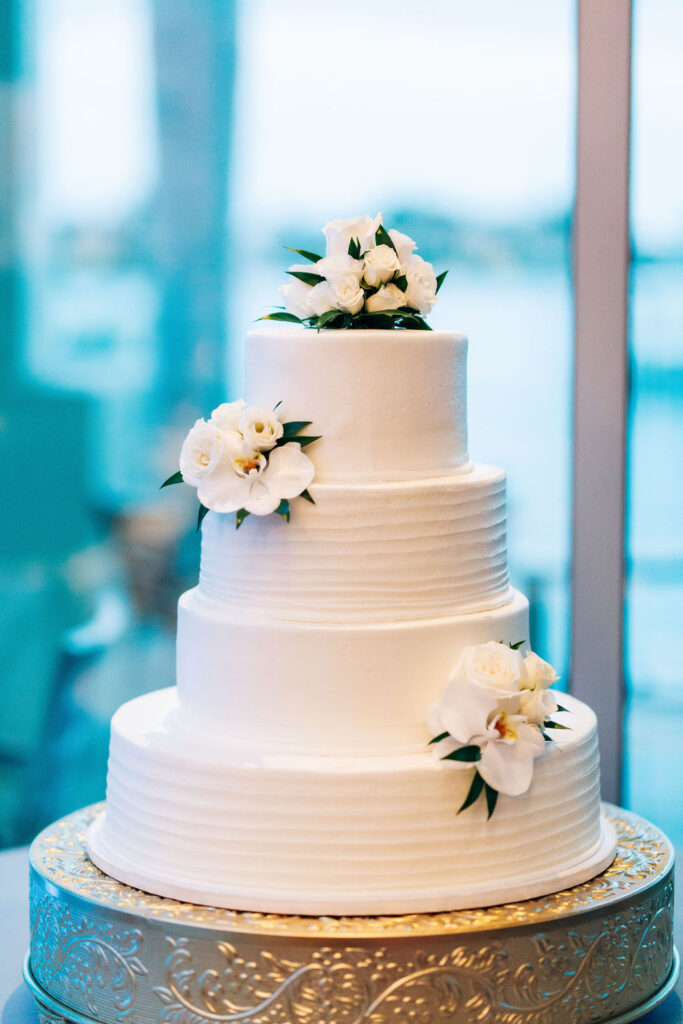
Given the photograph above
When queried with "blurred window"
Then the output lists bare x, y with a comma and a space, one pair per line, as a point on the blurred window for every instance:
654, 754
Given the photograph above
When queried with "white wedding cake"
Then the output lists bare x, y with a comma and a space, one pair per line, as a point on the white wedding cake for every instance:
339, 657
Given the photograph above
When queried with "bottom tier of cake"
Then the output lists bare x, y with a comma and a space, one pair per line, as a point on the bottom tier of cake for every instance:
193, 819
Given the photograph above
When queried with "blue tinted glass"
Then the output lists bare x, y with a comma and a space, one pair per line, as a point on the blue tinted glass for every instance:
654, 755
168, 151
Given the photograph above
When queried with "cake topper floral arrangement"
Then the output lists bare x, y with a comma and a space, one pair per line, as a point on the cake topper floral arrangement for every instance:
246, 460
368, 278
492, 718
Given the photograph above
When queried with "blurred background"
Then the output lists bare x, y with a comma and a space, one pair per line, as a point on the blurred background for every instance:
155, 157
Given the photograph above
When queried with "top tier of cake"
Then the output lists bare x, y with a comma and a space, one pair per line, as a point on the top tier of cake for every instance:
391, 405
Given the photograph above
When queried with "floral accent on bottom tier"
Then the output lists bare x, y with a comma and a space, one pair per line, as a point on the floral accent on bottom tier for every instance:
494, 719
108, 952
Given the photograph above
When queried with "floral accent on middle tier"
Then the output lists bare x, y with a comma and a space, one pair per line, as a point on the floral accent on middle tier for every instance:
370, 552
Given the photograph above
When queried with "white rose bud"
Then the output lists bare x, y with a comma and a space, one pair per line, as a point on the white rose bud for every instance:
227, 415
295, 294
201, 451
260, 428
381, 263
539, 673
348, 294
340, 232
403, 244
421, 291
388, 297
321, 299
537, 705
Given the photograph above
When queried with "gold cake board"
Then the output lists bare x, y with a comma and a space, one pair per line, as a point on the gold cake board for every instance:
101, 951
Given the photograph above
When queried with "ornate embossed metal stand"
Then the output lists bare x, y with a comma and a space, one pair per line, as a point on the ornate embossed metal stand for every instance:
101, 951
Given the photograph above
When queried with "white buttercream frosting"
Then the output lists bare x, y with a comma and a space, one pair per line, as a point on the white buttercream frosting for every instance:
367, 552
324, 687
390, 405
239, 826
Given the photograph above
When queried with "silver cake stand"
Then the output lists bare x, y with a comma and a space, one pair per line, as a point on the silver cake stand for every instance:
101, 951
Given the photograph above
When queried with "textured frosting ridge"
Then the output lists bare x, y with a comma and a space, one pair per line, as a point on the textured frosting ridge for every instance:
286, 831
372, 552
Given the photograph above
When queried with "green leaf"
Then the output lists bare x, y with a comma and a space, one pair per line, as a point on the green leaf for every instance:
440, 278
326, 318
516, 647
382, 237
354, 248
292, 427
312, 256
240, 516
277, 405
174, 478
308, 496
304, 441
303, 275
283, 509
545, 736
288, 318
437, 739
560, 708
473, 793
491, 798
416, 323
548, 724
401, 281
469, 753
200, 516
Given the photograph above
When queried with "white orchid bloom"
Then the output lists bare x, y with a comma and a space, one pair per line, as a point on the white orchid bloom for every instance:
508, 752
244, 478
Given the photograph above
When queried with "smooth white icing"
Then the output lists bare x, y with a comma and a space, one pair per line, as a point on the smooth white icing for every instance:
289, 770
237, 825
367, 552
389, 404
324, 687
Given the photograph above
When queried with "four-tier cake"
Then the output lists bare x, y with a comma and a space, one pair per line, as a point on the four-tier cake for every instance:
340, 657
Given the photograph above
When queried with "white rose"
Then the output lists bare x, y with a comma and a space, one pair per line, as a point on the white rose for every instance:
404, 245
348, 294
537, 705
421, 291
296, 292
340, 232
260, 428
202, 450
388, 297
495, 667
381, 263
333, 268
321, 299
539, 673
227, 415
